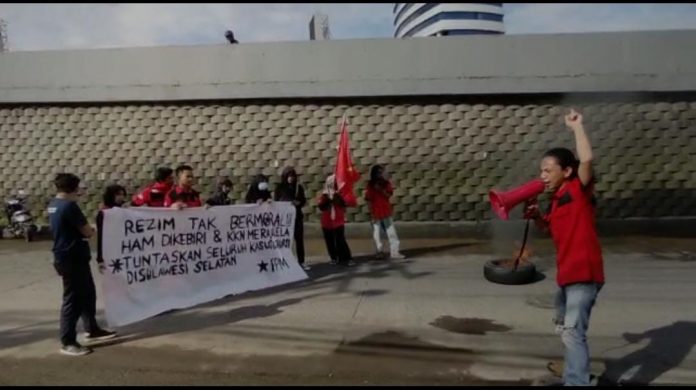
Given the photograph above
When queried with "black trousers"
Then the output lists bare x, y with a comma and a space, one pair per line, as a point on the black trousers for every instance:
79, 300
336, 244
299, 238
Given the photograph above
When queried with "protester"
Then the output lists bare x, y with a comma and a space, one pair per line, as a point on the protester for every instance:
183, 195
289, 190
379, 190
114, 196
333, 210
154, 194
71, 256
221, 196
259, 191
571, 221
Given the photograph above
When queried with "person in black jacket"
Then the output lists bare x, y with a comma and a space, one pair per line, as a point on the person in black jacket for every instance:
289, 190
258, 190
114, 196
221, 196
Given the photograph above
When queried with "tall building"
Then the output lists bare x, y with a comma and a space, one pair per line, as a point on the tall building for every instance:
3, 36
319, 27
440, 19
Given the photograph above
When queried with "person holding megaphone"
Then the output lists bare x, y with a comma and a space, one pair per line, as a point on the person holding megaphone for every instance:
571, 222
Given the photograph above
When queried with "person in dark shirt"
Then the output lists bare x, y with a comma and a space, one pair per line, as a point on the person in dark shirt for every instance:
258, 190
114, 196
71, 256
221, 196
289, 190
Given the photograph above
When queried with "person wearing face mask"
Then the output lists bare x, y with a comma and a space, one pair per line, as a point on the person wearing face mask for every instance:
114, 196
333, 220
289, 190
258, 190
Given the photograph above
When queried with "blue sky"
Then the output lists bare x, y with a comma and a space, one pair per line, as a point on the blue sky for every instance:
85, 26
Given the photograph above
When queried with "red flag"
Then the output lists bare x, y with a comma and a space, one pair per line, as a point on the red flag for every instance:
346, 174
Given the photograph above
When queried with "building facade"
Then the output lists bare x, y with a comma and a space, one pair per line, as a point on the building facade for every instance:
443, 19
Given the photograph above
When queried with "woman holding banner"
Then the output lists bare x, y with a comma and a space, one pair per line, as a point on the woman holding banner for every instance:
290, 190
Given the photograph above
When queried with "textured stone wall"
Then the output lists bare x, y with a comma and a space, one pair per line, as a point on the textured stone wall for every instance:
444, 154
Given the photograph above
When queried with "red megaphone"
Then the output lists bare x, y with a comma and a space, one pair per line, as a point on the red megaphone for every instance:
503, 202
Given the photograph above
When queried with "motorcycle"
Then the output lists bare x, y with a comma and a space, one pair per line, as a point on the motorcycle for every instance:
20, 218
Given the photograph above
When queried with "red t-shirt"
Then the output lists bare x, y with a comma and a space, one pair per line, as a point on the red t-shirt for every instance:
152, 196
339, 205
189, 197
380, 207
572, 224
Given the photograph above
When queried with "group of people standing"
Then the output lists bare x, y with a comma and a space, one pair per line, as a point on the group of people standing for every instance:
174, 188
570, 220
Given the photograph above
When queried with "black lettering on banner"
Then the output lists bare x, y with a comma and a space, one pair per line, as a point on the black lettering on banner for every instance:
146, 274
236, 222
236, 235
137, 244
253, 234
276, 263
207, 223
208, 265
197, 238
270, 245
148, 224
216, 236
214, 252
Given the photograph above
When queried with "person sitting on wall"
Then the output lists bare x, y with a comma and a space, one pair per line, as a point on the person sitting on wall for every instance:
183, 195
230, 37
154, 194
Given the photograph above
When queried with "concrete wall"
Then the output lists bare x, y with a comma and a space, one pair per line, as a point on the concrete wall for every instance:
445, 114
601, 62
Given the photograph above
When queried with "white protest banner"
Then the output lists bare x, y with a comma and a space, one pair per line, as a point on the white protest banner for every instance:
162, 259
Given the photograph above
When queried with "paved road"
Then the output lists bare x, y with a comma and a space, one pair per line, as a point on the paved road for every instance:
431, 318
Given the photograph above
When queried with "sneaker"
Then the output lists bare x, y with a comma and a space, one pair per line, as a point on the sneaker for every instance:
380, 255
351, 263
306, 267
397, 256
100, 334
75, 350
334, 262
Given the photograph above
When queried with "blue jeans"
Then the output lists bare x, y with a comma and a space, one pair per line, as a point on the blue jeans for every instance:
574, 304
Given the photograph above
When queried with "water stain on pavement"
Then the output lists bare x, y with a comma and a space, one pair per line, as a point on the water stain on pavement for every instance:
473, 326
